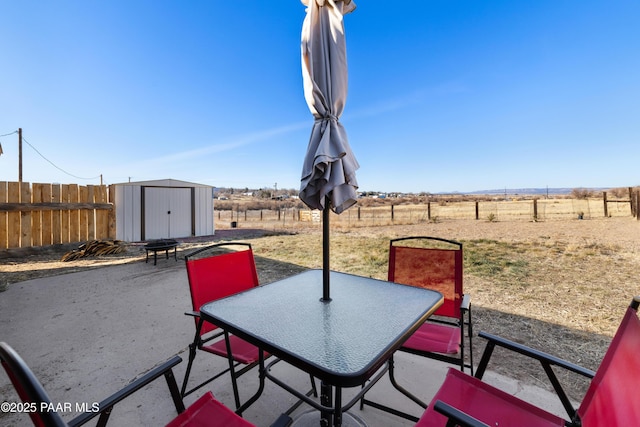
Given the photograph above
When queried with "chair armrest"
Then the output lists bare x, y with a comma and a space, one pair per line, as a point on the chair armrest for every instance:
529, 352
107, 404
546, 360
457, 417
465, 305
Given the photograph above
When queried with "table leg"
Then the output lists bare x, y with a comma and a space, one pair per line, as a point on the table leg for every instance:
326, 399
338, 408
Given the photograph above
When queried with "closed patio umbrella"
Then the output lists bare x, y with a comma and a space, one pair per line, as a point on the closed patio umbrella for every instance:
328, 174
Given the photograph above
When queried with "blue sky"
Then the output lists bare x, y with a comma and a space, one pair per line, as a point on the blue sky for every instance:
444, 95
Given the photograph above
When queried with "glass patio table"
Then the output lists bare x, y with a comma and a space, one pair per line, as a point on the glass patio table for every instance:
343, 342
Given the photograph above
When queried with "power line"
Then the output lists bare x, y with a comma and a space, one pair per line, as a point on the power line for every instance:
54, 165
7, 134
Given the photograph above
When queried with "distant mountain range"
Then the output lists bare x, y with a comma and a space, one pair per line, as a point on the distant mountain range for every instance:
501, 191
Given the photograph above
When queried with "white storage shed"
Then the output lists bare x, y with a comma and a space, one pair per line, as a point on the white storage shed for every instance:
161, 209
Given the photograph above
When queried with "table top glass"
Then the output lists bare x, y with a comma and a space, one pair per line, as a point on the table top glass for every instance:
342, 341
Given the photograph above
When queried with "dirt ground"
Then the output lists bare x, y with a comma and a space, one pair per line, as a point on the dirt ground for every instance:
587, 270
18, 265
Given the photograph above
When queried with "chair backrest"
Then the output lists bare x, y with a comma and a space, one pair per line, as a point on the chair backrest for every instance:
29, 388
612, 397
436, 264
215, 273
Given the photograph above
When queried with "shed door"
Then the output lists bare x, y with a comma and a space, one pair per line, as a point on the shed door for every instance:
167, 212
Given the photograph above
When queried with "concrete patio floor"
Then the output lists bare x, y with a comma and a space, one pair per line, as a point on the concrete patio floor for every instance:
87, 334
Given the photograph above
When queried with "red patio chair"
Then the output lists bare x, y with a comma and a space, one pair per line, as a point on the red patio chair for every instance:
432, 263
435, 263
208, 411
205, 412
214, 272
611, 399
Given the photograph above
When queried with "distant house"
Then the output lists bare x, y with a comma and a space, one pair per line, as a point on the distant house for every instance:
165, 208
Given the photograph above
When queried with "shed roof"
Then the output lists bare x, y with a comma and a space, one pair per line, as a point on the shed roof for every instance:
165, 183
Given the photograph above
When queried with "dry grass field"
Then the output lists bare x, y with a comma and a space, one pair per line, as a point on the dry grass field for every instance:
558, 285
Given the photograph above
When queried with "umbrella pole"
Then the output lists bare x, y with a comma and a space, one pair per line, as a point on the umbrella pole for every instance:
325, 251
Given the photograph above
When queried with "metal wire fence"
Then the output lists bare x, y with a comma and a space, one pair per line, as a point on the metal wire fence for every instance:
360, 216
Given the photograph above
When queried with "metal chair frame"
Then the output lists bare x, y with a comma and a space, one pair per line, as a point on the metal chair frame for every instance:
199, 341
462, 321
575, 417
450, 316
31, 391
205, 411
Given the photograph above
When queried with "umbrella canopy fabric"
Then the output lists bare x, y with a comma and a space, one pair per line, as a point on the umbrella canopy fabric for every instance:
329, 165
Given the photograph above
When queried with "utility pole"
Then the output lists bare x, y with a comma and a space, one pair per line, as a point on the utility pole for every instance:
20, 155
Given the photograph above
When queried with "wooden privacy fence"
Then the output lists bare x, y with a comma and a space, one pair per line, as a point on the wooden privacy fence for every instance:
49, 214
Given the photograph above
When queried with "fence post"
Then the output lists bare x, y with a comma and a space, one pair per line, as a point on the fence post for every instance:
74, 214
392, 215
535, 209
358, 213
13, 218
91, 220
111, 215
102, 216
36, 216
604, 198
56, 215
47, 221
25, 217
477, 210
3, 216
429, 211
637, 205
